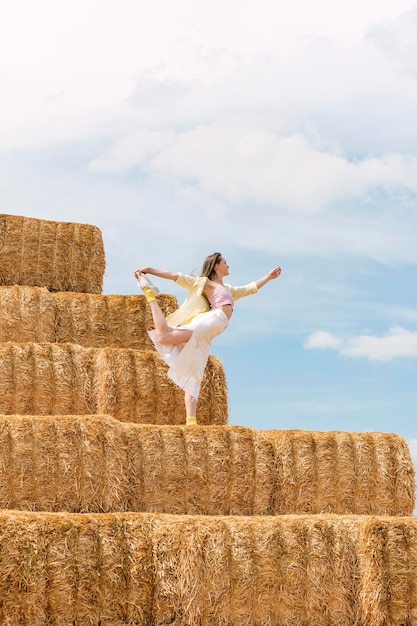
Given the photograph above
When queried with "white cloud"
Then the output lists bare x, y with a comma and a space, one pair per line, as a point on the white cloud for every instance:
234, 161
271, 129
132, 150
247, 119
322, 340
77, 61
397, 39
396, 343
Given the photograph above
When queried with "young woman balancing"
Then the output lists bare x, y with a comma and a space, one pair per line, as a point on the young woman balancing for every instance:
183, 339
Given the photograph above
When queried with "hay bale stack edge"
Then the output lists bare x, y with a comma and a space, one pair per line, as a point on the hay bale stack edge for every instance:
61, 256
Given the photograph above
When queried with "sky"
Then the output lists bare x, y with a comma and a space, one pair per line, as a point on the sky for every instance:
275, 133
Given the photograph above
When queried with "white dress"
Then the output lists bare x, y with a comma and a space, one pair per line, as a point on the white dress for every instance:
188, 360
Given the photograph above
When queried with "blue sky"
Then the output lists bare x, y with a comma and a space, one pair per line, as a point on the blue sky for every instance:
275, 133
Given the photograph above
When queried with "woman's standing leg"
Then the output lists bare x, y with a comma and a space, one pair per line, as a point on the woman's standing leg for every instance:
188, 368
190, 409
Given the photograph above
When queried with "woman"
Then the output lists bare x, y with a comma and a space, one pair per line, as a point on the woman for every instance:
183, 338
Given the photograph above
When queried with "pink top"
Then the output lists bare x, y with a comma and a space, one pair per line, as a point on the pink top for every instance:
220, 297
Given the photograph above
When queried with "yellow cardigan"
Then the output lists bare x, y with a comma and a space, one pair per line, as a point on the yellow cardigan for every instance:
196, 303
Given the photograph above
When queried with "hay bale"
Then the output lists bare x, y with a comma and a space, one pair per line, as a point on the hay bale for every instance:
149, 569
75, 569
107, 321
45, 379
221, 471
132, 386
26, 314
212, 407
91, 320
311, 561
61, 256
340, 472
97, 464
65, 463
387, 556
65, 379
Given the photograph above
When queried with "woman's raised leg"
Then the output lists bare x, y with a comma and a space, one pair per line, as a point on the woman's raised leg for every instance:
166, 335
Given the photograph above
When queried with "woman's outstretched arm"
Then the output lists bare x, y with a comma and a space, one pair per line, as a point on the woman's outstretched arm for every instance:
270, 276
155, 272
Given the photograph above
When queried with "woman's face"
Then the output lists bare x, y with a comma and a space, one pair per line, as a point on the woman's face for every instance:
222, 268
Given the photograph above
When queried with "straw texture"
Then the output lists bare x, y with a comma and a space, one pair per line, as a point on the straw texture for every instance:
90, 320
101, 321
45, 379
97, 464
61, 256
152, 570
65, 463
131, 385
26, 314
114, 513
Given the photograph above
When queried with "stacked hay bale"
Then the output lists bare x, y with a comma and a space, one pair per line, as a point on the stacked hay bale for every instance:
94, 463
131, 385
115, 513
90, 320
61, 256
145, 569
51, 277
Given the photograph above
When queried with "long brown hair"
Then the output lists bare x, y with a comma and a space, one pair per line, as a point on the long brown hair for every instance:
209, 263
